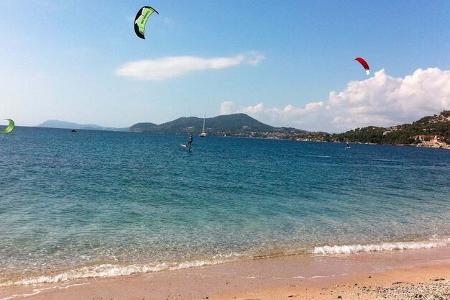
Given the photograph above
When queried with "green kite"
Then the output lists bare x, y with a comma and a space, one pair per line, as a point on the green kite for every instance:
8, 129
141, 20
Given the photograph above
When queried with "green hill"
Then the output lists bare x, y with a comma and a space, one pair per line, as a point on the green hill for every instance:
430, 131
233, 124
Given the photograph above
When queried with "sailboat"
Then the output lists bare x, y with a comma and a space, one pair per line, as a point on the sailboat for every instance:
203, 134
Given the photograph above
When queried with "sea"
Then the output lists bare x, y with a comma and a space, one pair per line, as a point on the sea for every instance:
99, 204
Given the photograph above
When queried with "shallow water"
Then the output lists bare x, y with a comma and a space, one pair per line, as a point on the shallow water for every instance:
112, 203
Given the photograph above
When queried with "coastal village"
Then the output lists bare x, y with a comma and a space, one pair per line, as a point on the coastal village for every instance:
428, 132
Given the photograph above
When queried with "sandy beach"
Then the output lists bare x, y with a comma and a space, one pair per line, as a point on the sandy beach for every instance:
412, 274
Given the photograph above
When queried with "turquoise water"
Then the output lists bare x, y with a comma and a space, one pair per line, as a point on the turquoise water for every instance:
109, 203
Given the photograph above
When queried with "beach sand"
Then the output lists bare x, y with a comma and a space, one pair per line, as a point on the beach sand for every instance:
411, 274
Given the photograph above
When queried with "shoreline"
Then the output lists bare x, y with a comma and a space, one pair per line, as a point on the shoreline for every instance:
265, 278
291, 139
112, 270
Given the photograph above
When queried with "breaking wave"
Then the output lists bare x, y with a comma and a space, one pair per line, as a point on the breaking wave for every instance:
110, 270
349, 249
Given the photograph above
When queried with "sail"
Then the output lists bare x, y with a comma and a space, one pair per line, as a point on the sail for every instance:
203, 134
141, 20
9, 128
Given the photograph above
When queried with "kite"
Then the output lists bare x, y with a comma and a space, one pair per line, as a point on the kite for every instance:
141, 20
8, 129
363, 63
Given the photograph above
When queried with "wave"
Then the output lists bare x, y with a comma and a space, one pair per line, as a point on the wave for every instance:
111, 270
35, 291
387, 160
114, 270
350, 249
318, 156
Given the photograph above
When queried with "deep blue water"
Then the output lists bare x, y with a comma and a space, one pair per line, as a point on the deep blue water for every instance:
90, 198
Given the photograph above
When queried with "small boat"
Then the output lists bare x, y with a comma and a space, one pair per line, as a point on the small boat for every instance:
203, 134
74, 130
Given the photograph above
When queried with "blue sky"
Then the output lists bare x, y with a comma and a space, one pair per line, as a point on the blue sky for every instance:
60, 59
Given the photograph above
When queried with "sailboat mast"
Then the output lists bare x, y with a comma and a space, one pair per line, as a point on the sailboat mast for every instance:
203, 134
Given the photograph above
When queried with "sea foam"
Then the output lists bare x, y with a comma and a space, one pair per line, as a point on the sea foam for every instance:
349, 249
111, 270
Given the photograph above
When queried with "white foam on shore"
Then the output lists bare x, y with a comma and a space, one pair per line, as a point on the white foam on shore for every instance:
349, 249
38, 291
110, 270
114, 270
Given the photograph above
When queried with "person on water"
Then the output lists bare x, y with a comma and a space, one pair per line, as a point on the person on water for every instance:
189, 143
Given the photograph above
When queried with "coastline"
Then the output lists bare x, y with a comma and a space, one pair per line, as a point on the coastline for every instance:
108, 269
376, 274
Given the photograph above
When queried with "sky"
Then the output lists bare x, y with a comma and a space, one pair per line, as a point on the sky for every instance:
288, 63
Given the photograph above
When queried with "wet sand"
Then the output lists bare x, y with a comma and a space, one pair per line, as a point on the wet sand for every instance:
411, 274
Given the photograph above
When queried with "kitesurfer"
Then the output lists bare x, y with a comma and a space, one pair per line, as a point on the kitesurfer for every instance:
189, 143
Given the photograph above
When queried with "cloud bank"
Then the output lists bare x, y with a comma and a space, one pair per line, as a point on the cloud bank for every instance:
227, 107
381, 100
175, 66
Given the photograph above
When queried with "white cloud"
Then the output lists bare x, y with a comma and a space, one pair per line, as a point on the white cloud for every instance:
227, 107
381, 100
174, 66
255, 110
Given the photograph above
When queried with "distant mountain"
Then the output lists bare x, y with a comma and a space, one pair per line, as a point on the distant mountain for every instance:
71, 125
143, 127
431, 131
233, 124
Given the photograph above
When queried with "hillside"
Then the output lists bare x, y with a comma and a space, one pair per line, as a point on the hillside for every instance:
430, 131
143, 127
233, 124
